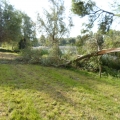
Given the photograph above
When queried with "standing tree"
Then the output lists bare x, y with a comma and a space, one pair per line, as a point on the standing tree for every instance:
12, 23
42, 40
54, 26
28, 27
1, 21
94, 13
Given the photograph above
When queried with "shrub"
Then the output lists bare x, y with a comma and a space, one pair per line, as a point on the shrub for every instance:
111, 61
110, 71
33, 56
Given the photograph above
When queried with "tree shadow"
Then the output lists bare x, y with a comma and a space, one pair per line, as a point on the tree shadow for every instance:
9, 57
10, 51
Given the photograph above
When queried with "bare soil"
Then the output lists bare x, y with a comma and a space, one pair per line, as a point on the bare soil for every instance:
8, 56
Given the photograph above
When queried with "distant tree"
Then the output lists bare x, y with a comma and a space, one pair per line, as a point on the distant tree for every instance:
72, 40
35, 42
10, 23
112, 39
28, 27
79, 41
22, 44
1, 21
63, 42
42, 40
15, 25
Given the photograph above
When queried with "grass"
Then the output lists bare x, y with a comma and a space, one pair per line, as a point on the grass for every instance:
33, 92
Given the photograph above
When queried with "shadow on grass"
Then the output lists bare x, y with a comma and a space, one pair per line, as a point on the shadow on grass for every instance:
10, 51
9, 57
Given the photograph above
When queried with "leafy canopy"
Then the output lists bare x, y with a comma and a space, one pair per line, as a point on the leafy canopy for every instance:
94, 13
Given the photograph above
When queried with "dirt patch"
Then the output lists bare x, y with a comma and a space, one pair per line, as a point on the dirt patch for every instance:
8, 56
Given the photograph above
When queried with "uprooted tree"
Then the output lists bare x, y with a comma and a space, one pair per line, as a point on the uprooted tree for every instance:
88, 56
104, 18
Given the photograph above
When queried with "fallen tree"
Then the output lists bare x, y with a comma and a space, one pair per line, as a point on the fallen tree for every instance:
88, 56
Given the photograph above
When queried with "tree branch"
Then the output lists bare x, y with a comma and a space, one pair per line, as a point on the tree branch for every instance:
96, 53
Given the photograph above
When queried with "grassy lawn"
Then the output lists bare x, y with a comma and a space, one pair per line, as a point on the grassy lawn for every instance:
32, 92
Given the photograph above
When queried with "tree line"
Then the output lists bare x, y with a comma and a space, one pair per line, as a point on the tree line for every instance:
15, 24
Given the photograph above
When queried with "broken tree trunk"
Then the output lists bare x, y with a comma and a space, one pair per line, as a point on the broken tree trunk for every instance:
97, 53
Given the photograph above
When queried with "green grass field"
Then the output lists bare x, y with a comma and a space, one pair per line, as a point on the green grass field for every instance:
33, 92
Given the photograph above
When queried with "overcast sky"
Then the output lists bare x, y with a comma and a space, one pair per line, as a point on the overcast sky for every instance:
31, 7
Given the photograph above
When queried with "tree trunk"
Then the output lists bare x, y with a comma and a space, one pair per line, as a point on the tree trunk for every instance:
88, 56
99, 62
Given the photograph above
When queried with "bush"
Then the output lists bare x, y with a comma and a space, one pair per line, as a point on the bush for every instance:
111, 61
33, 56
39, 56
110, 71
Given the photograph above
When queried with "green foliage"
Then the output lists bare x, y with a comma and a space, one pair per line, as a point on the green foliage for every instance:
14, 24
110, 71
42, 40
53, 23
63, 42
35, 42
40, 56
33, 56
106, 23
111, 61
71, 41
5, 50
90, 64
88, 8
93, 42
22, 44
112, 39
82, 8
28, 27
11, 22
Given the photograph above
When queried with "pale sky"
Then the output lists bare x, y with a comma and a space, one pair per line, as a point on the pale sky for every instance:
31, 7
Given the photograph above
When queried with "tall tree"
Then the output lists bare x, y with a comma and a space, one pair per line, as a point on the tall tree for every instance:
15, 24
54, 26
1, 21
28, 27
12, 23
42, 40
90, 9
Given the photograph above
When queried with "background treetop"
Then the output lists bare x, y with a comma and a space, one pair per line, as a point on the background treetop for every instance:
89, 8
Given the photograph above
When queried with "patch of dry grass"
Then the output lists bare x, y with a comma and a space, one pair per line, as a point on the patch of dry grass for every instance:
8, 56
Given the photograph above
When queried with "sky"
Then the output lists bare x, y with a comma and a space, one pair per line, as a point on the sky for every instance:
32, 7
